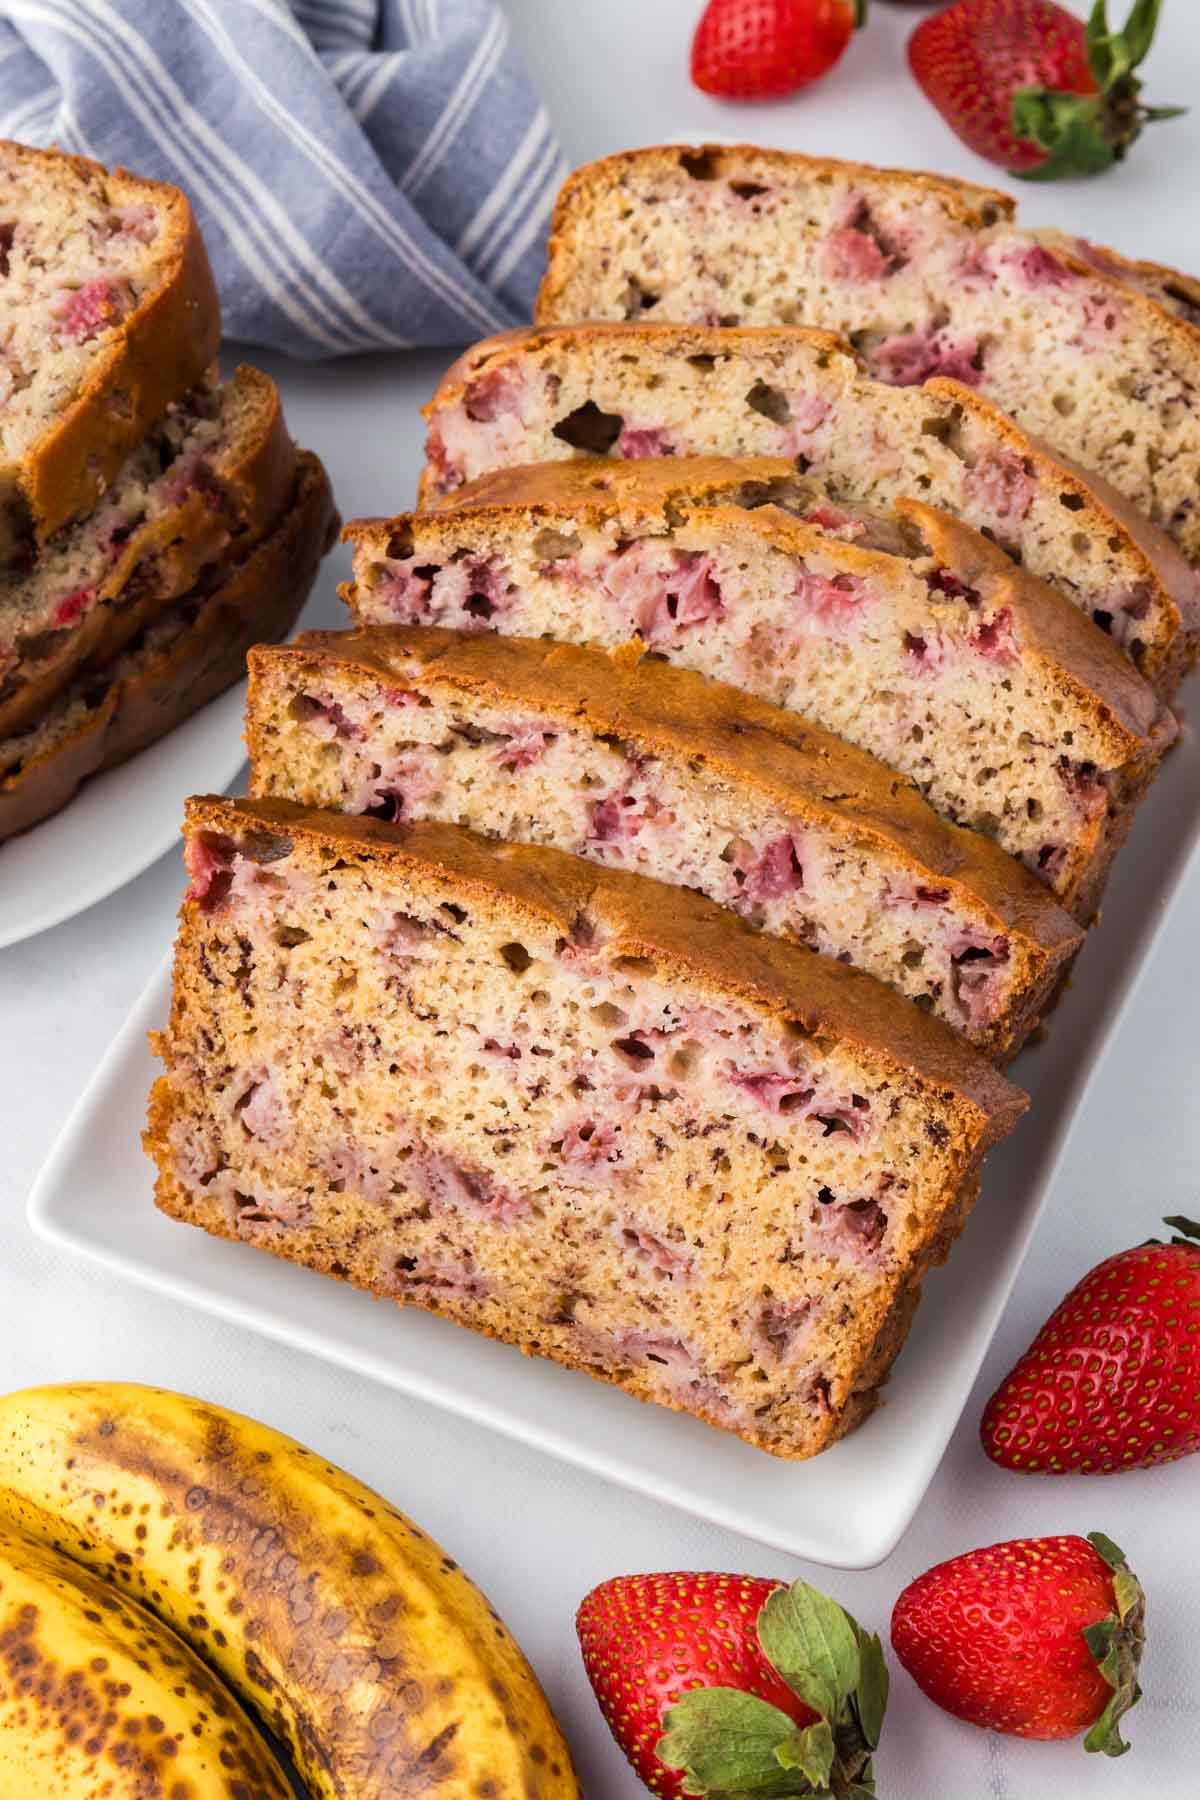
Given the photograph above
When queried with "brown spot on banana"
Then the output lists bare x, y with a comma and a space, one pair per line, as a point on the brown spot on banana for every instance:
370, 1654
99, 1700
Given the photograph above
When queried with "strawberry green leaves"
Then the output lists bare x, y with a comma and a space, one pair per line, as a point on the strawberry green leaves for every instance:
871, 1691
812, 1643
730, 1743
1114, 54
1083, 134
733, 1746
1032, 86
810, 1753
1116, 1643
1067, 128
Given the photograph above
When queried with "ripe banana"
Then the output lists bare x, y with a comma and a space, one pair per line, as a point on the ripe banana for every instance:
98, 1699
368, 1652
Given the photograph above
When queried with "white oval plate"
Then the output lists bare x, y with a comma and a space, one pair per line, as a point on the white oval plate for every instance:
118, 823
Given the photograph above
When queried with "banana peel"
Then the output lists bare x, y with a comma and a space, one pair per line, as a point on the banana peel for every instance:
368, 1652
99, 1701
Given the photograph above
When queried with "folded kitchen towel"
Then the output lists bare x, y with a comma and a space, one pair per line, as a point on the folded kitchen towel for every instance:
367, 173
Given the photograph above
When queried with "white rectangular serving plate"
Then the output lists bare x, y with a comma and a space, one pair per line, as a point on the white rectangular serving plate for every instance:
847, 1508
119, 822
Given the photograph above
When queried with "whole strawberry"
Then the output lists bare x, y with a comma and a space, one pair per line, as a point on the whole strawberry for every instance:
1040, 1638
1031, 87
722, 1685
1112, 1380
764, 49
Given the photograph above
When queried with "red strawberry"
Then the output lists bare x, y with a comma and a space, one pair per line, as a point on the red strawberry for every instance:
723, 1682
1033, 88
1040, 1638
1112, 1380
764, 49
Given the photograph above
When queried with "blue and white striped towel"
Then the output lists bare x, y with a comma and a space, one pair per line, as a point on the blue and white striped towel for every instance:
367, 173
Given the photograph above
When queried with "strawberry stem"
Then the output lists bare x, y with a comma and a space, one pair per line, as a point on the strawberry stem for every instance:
1083, 134
1116, 1643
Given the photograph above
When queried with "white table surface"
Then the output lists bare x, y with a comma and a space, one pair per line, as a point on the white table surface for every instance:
534, 1534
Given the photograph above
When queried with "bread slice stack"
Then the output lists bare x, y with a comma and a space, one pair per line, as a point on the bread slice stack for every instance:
154, 520
906, 633
926, 277
643, 389
649, 767
634, 909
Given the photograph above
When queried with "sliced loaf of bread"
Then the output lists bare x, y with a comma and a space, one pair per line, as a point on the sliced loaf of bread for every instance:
518, 1089
639, 390
906, 633
925, 276
211, 478
109, 313
653, 768
190, 652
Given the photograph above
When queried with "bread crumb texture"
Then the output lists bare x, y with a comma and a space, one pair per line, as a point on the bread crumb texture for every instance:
496, 1082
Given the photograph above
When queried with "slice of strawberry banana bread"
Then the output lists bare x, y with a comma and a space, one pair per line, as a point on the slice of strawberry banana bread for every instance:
908, 633
653, 768
189, 653
215, 473
640, 390
925, 276
525, 1091
108, 313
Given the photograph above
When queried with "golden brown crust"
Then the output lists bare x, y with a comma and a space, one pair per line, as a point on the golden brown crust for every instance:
477, 356
1128, 790
106, 631
1177, 282
1166, 568
1088, 658
693, 936
160, 351
973, 207
893, 1328
1104, 260
257, 484
260, 599
1188, 285
594, 487
504, 344
1141, 727
263, 479
760, 747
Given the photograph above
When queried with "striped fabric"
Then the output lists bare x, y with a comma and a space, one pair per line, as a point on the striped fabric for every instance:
368, 174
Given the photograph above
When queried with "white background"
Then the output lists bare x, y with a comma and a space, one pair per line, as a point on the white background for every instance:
536, 1535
